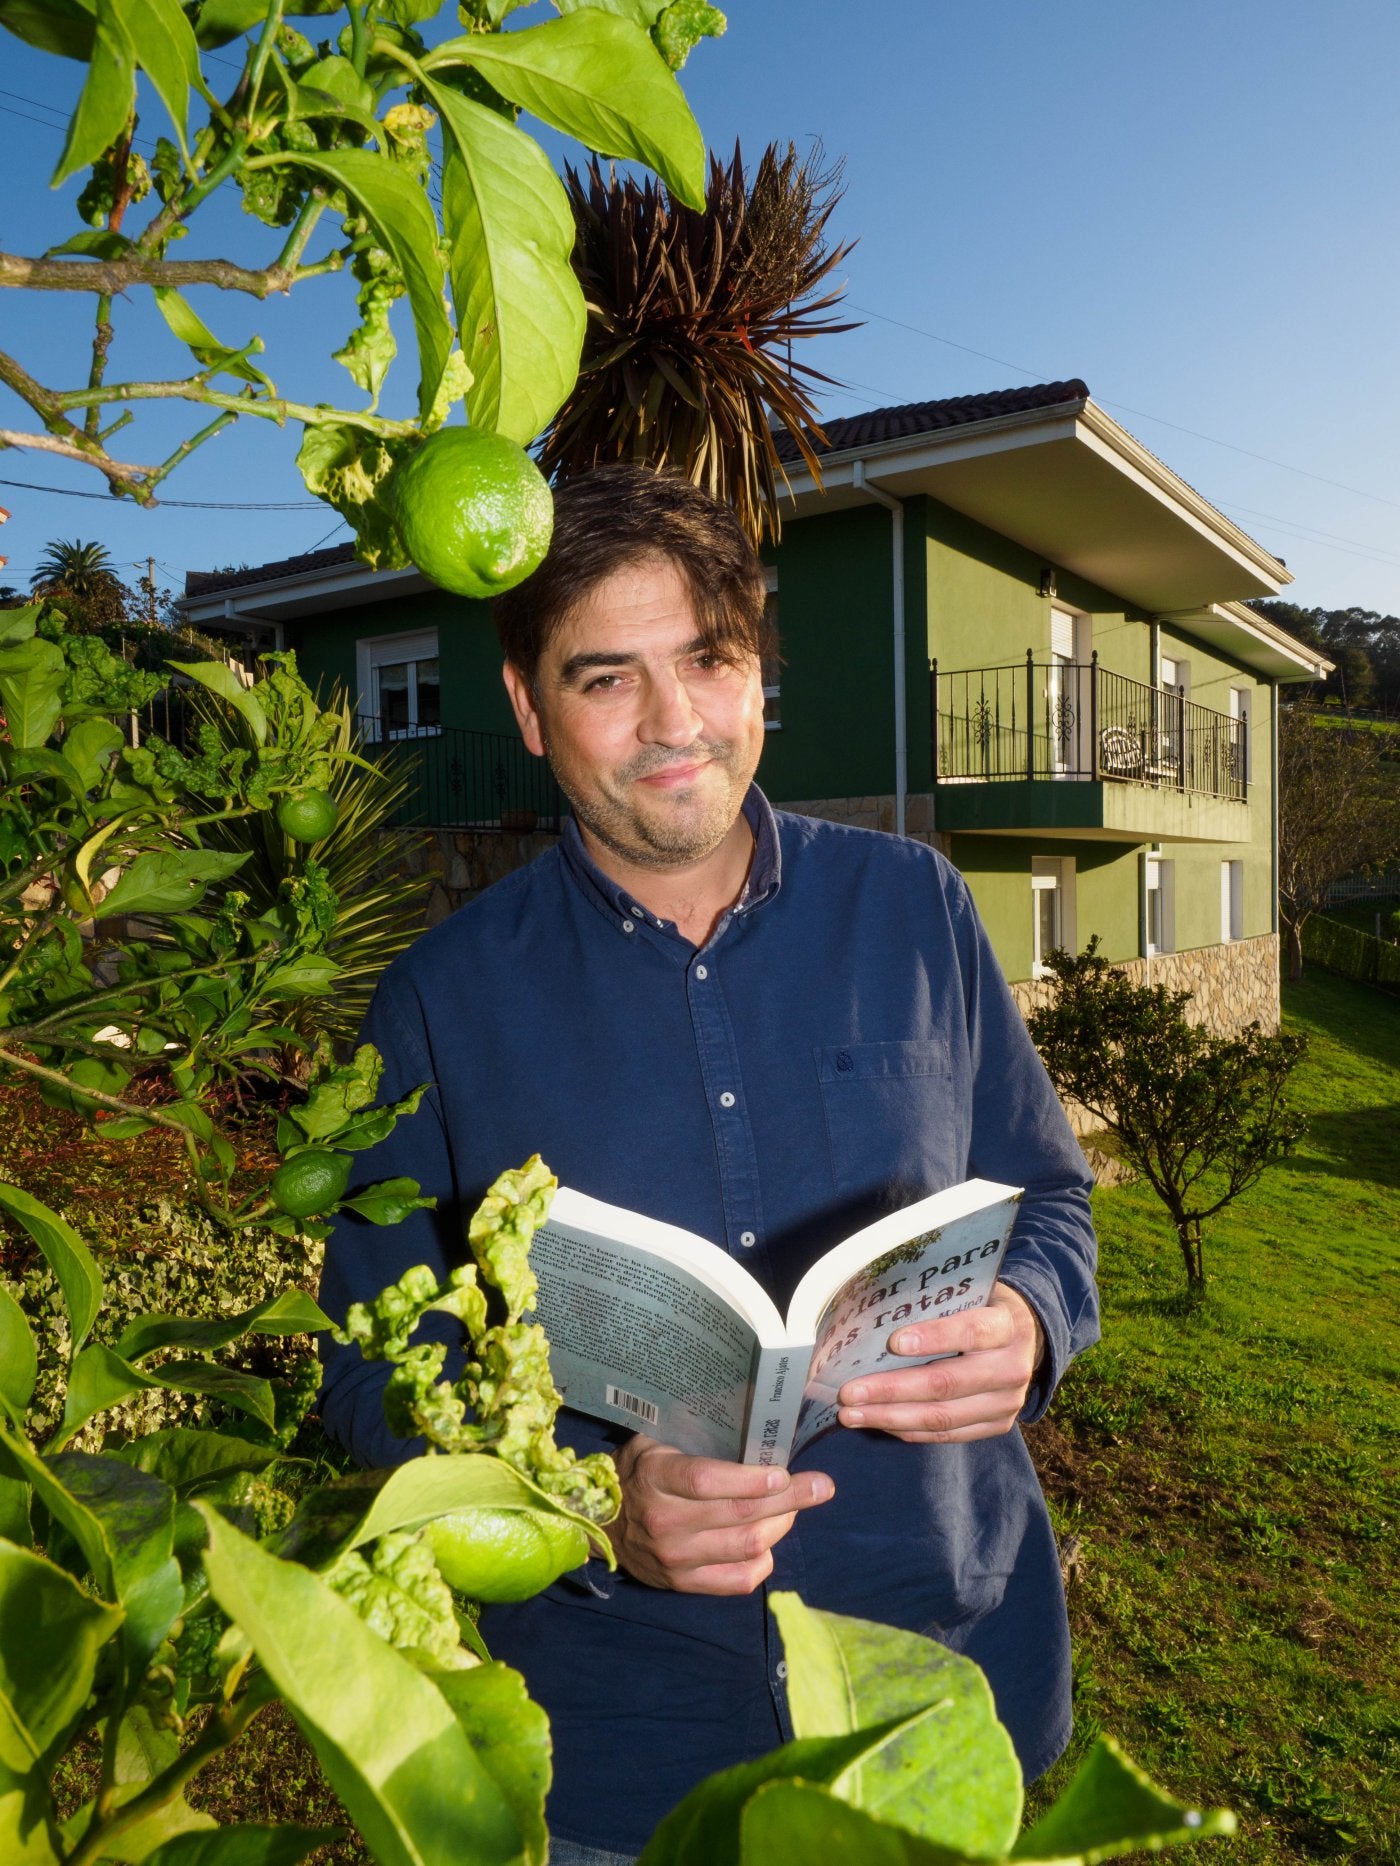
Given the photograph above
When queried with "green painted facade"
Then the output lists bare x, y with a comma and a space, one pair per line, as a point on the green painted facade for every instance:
972, 601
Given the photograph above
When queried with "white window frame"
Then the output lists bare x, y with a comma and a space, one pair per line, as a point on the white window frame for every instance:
1231, 902
375, 651
772, 689
1159, 879
1071, 636
1052, 874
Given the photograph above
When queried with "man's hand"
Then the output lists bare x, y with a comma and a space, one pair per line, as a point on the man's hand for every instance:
979, 1395
700, 1525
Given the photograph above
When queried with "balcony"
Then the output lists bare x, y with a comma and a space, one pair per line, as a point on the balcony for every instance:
1070, 749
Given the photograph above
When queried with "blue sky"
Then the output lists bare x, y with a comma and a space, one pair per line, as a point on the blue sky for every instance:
1190, 205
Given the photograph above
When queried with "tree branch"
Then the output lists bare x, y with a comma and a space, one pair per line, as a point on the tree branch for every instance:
118, 275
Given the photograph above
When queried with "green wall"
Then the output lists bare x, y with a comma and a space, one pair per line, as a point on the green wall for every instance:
468, 652
998, 874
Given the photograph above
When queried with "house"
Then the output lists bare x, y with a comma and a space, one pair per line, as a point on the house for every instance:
1008, 629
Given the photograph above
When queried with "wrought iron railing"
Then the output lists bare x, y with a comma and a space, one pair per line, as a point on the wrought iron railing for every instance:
1077, 720
466, 780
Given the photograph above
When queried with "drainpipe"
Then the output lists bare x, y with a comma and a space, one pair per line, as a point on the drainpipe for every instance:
901, 723
1273, 799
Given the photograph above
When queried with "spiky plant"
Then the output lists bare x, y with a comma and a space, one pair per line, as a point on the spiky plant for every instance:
691, 322
379, 904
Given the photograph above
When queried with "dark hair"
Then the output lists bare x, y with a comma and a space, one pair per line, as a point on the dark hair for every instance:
615, 516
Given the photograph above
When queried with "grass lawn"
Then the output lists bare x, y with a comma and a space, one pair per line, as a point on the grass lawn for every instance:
1229, 1470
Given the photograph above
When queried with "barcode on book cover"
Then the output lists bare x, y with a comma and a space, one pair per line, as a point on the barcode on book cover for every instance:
630, 1402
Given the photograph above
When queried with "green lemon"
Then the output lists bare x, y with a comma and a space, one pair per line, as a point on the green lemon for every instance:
496, 1555
310, 1181
473, 511
309, 816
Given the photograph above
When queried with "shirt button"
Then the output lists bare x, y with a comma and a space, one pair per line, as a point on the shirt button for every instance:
747, 1239
629, 926
702, 971
781, 1668
640, 912
726, 1100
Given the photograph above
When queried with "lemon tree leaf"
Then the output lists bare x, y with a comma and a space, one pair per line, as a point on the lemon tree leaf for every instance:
403, 220
88, 748
19, 1460
1109, 1808
44, 1682
101, 1378
599, 78
249, 1844
186, 323
519, 305
32, 674
61, 26
164, 881
107, 96
217, 676
66, 1255
291, 1313
805, 1826
137, 1514
185, 1456
19, 1359
385, 1735
706, 1825
510, 1733
952, 1776
166, 51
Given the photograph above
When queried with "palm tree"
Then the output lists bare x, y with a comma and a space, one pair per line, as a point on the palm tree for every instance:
687, 358
80, 569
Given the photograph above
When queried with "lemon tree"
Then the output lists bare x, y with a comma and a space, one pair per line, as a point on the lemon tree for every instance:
330, 128
473, 511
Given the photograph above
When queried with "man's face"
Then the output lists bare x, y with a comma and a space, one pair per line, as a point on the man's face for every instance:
653, 738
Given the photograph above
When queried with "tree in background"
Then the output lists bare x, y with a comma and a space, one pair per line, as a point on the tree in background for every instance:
687, 359
71, 565
1363, 645
1339, 814
1198, 1116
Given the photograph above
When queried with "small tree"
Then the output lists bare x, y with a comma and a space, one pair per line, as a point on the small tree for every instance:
1339, 812
1199, 1116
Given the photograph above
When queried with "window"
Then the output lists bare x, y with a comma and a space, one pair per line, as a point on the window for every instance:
1066, 690
1159, 906
1052, 910
1174, 680
1231, 901
772, 665
399, 685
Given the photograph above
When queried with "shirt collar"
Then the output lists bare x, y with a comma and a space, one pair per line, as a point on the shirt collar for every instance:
764, 877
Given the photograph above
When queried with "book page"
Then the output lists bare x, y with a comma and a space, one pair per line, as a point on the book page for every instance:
941, 1271
643, 1342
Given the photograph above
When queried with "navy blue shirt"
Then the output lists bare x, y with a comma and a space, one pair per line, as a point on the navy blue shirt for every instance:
843, 1043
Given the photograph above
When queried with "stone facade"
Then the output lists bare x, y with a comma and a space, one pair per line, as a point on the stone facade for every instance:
875, 813
461, 862
1230, 986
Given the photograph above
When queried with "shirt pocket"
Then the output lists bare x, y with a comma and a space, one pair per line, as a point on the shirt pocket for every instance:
893, 1132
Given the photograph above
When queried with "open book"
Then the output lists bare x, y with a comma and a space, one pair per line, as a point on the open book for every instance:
653, 1327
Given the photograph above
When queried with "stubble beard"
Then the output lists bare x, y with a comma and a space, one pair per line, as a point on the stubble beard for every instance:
666, 839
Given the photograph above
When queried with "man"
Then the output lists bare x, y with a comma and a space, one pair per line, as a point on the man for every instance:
768, 1030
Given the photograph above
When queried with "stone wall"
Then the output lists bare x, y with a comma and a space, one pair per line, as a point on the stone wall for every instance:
1231, 986
874, 813
461, 862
